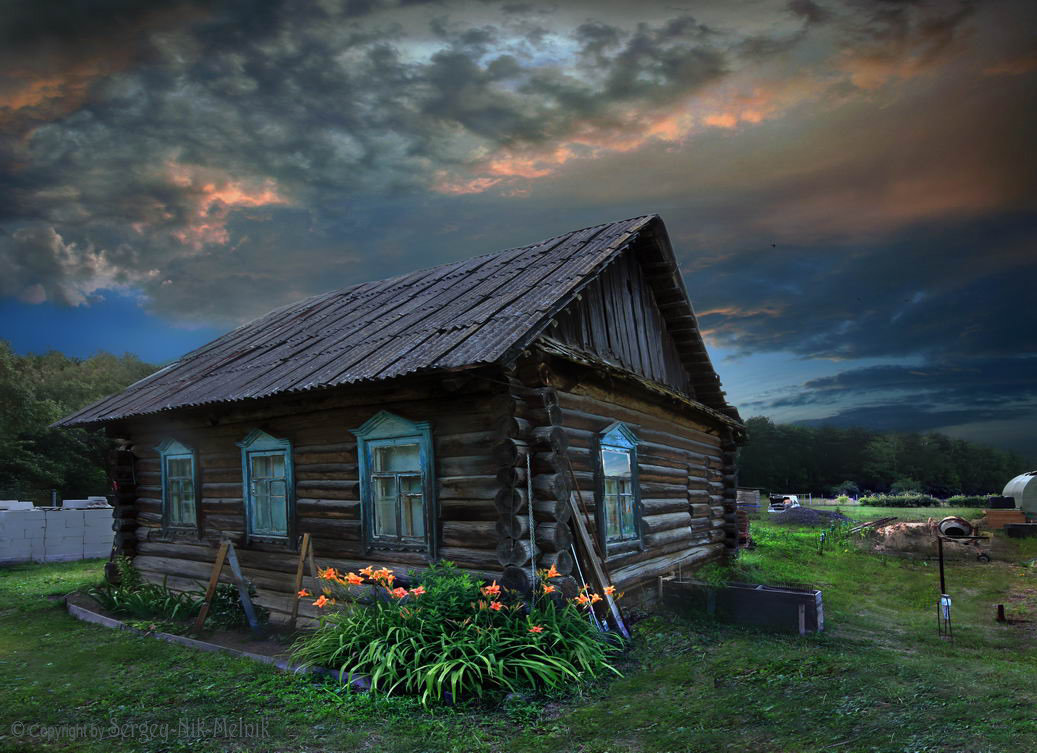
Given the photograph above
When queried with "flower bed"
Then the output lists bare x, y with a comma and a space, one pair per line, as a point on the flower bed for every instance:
156, 604
449, 635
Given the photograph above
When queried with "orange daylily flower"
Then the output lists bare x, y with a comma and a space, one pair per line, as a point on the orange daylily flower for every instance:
491, 590
582, 599
553, 572
303, 593
368, 571
353, 579
595, 598
399, 593
549, 589
609, 590
496, 606
328, 573
319, 603
536, 629
417, 591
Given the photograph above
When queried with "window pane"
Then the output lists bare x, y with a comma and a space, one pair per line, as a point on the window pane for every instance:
178, 467
385, 506
174, 500
612, 521
403, 457
616, 463
278, 515
187, 502
627, 512
277, 466
260, 507
260, 466
412, 503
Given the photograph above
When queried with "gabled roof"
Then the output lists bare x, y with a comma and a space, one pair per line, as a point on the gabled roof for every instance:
478, 311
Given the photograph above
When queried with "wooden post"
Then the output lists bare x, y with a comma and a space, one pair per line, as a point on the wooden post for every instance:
597, 569
300, 565
226, 552
214, 579
246, 600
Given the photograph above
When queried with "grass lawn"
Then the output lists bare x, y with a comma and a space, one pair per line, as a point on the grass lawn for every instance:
879, 679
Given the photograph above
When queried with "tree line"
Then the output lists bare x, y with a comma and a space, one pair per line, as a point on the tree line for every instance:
35, 391
826, 460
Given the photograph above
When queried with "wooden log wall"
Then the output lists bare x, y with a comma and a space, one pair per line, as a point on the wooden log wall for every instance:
469, 423
686, 475
532, 504
124, 516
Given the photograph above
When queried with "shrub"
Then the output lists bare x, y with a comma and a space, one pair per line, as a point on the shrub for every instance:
970, 500
449, 635
135, 597
847, 489
842, 499
900, 500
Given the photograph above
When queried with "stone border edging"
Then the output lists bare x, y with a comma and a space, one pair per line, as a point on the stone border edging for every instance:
87, 615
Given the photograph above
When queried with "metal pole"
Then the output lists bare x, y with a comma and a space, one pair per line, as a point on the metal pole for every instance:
943, 583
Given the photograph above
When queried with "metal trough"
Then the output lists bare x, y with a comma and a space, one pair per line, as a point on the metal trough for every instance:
785, 608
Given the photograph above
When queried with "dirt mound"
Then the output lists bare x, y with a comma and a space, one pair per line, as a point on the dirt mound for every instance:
919, 538
805, 516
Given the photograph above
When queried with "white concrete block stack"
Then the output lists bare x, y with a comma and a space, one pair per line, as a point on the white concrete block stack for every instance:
54, 534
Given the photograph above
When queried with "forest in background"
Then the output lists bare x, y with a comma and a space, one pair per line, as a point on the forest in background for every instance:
826, 461
36, 390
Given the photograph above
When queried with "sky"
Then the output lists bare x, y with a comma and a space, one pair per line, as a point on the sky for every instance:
849, 186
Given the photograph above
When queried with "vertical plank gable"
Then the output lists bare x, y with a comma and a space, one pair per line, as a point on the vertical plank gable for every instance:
618, 319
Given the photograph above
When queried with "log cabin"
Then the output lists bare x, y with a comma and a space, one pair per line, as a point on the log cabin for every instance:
445, 414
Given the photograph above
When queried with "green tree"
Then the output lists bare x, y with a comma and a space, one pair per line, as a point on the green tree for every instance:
37, 390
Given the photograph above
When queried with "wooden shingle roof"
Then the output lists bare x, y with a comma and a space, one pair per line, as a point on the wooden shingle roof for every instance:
477, 311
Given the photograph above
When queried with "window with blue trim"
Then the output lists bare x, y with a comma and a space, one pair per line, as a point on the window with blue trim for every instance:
396, 483
266, 466
179, 506
619, 506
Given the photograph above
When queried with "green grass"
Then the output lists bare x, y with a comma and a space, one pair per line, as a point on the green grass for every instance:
879, 679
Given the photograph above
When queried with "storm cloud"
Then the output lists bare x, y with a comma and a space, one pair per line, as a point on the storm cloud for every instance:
843, 181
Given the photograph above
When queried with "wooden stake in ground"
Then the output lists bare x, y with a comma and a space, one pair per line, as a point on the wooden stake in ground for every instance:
214, 579
226, 553
304, 547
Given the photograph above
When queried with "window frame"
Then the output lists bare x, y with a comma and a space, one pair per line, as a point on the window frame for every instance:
618, 437
387, 429
172, 449
259, 443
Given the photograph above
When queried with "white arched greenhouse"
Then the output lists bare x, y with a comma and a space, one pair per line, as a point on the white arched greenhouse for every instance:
1023, 488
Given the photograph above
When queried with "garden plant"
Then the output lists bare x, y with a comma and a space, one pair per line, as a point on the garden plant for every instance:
448, 638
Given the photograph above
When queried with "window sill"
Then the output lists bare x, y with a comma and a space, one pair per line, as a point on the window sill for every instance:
384, 546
